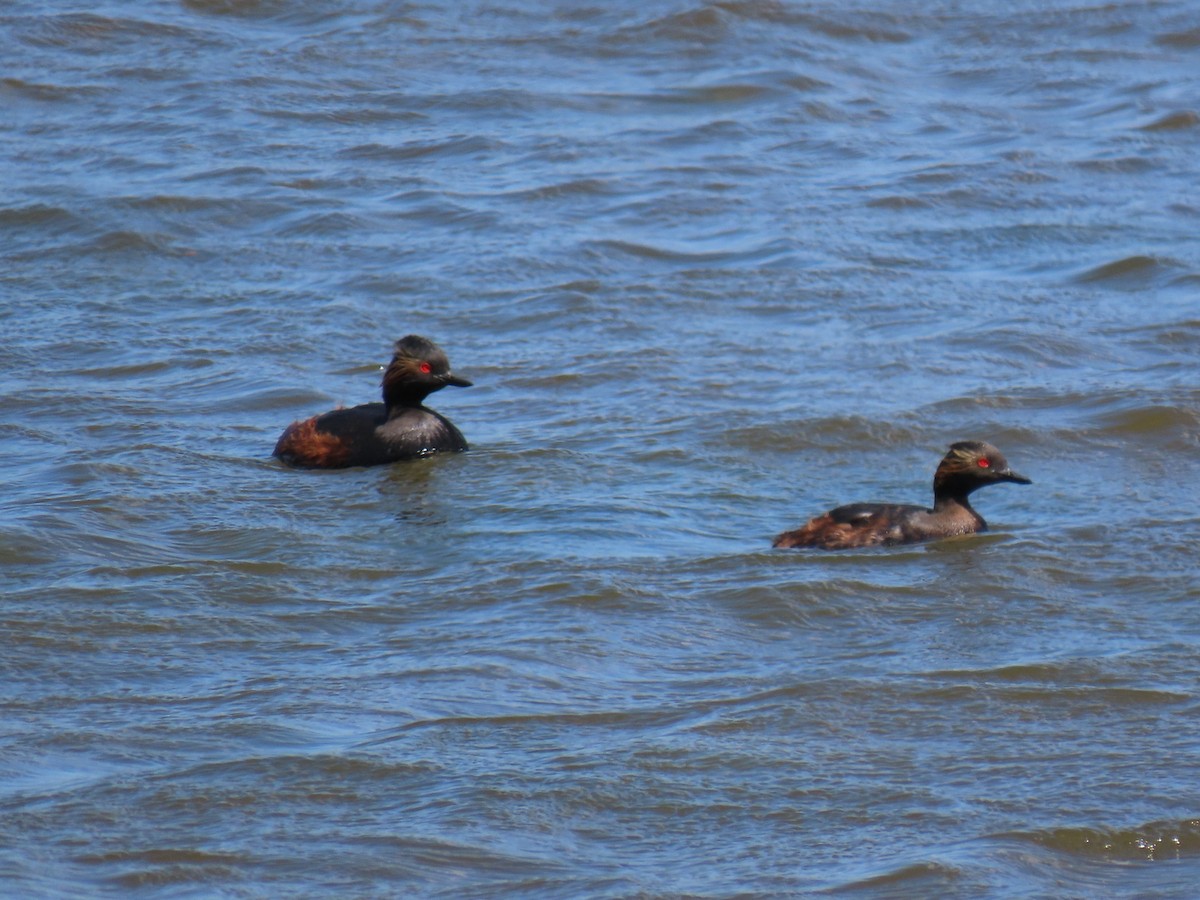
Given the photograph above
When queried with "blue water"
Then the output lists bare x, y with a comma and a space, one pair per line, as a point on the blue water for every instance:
713, 269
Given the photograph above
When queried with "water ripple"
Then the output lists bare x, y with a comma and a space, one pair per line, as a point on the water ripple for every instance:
713, 267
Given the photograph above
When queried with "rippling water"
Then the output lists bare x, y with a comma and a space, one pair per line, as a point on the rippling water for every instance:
713, 268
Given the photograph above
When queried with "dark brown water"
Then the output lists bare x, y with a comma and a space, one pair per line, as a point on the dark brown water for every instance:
713, 269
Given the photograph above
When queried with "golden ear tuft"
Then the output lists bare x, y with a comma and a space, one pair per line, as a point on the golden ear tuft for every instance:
961, 453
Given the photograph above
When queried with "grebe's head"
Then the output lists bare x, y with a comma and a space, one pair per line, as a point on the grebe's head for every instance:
418, 368
971, 465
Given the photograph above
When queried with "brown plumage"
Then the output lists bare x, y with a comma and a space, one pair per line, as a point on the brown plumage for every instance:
968, 466
305, 441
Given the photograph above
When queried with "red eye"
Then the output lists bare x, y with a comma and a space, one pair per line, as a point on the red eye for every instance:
983, 463
425, 368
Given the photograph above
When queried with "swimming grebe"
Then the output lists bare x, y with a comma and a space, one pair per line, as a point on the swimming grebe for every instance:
375, 433
968, 466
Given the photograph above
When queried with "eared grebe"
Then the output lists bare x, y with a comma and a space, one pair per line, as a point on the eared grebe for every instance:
375, 433
968, 466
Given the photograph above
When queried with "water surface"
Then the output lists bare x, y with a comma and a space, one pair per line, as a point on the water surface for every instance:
713, 269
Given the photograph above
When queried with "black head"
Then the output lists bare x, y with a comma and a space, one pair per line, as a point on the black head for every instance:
971, 465
418, 368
